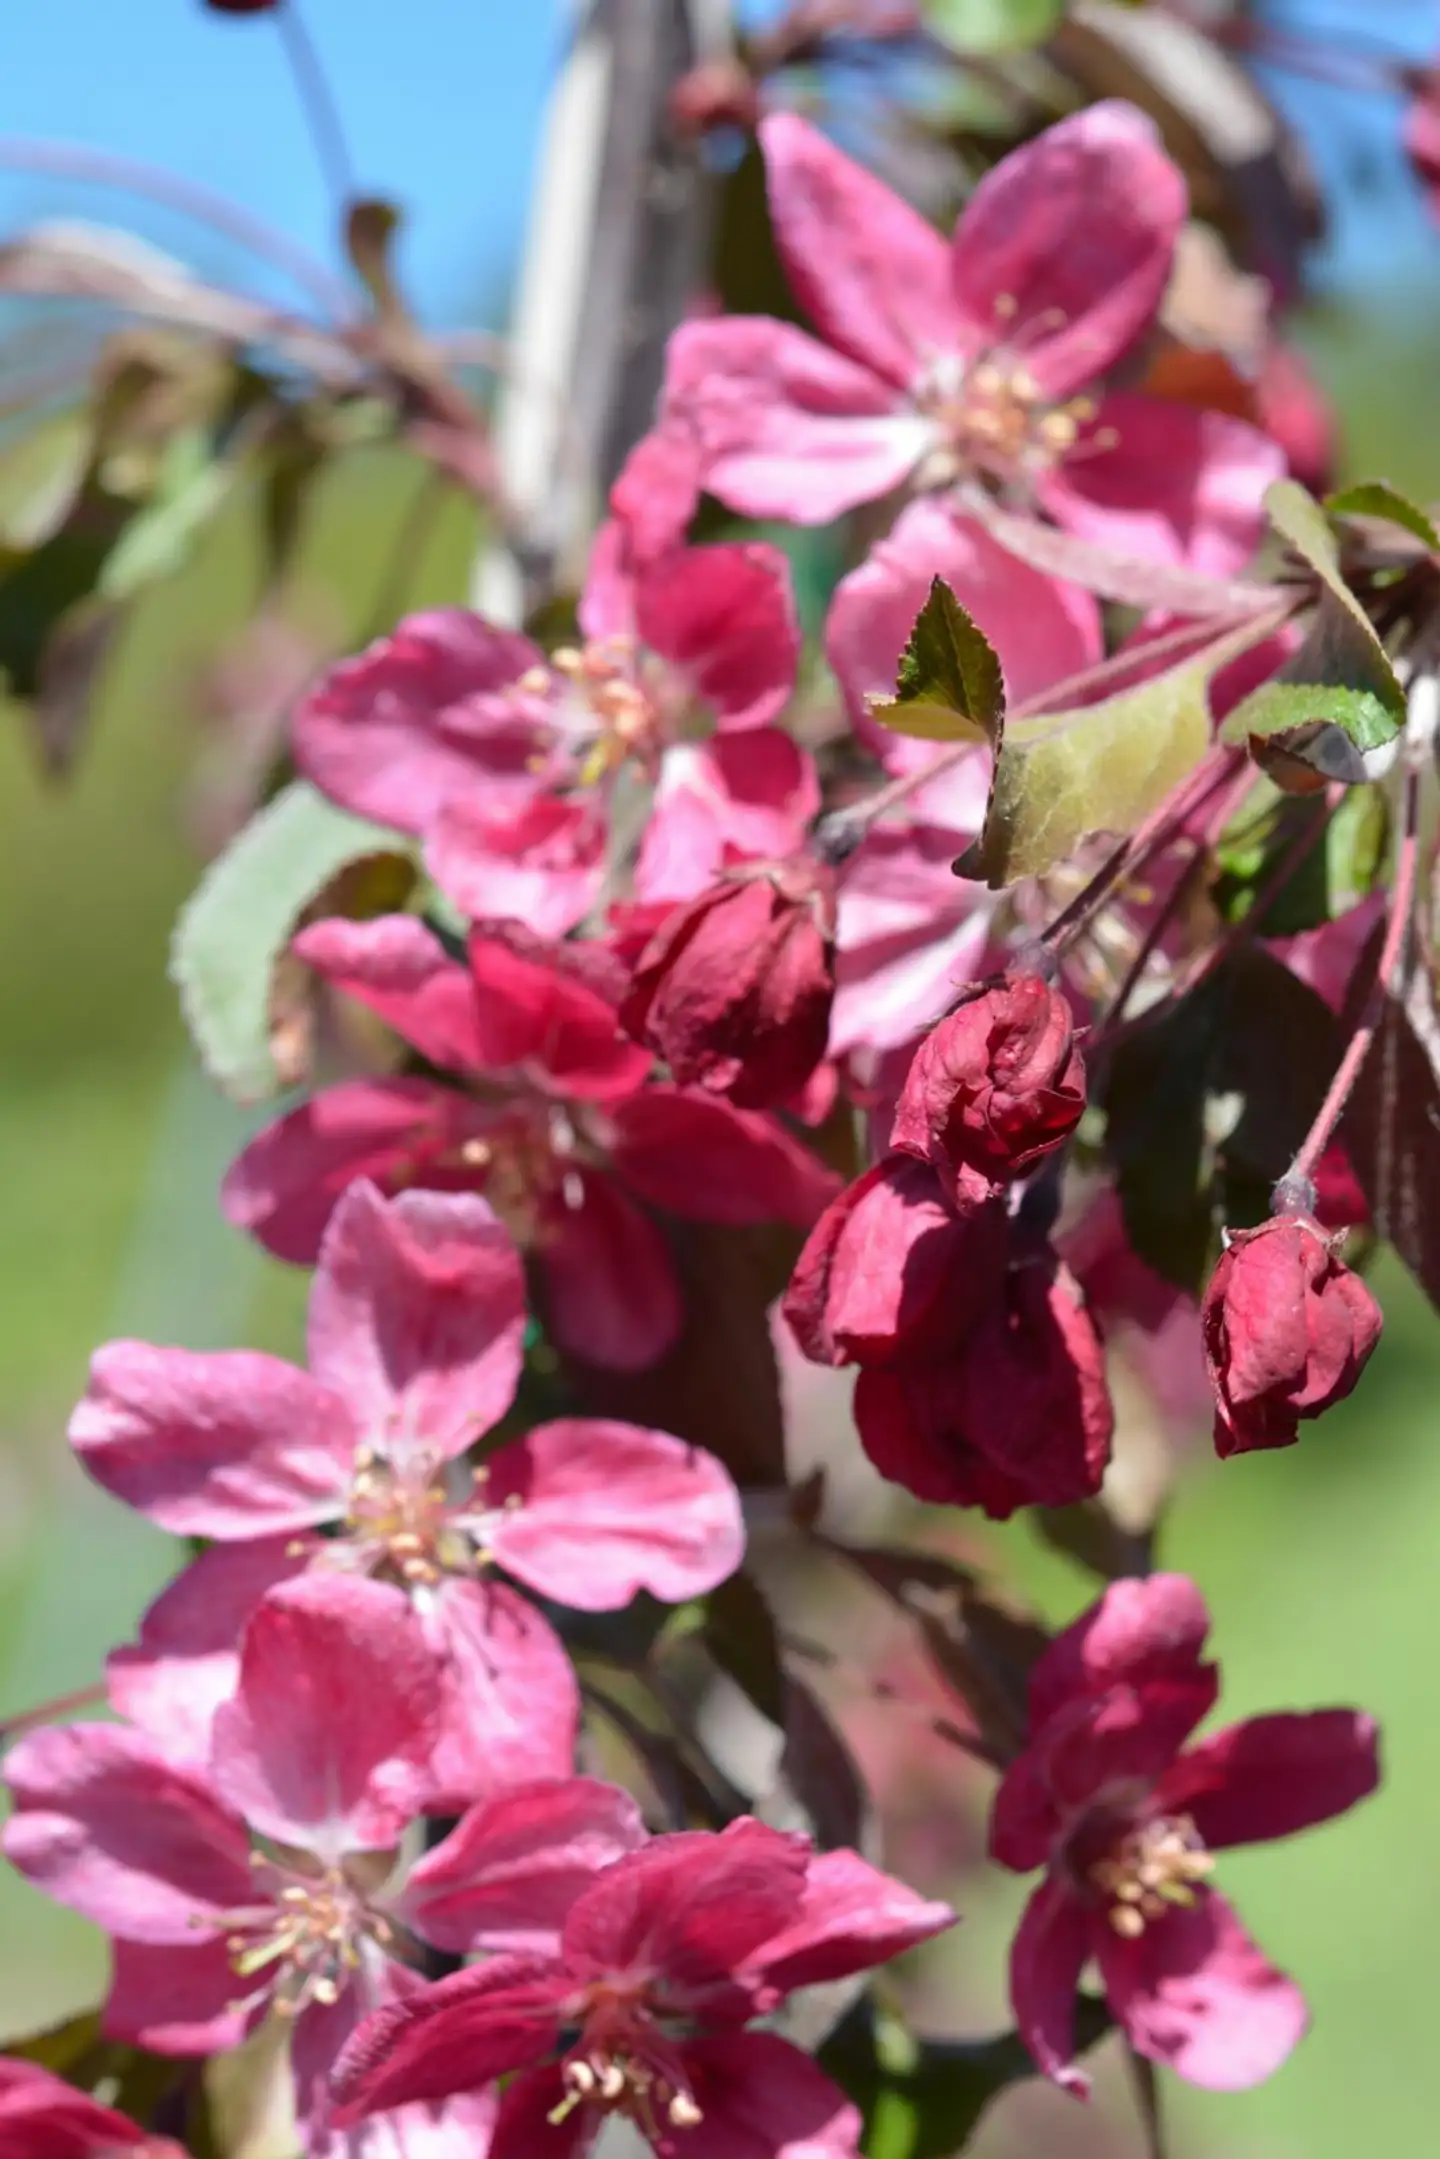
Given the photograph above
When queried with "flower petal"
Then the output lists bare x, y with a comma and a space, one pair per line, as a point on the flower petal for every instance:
787, 428
527, 2128
326, 1745
284, 1186
1064, 249
419, 716
1041, 628
511, 1868
543, 1008
872, 276
543, 862
607, 1280
751, 791
511, 1709
724, 618
851, 1917
231, 1443
703, 1158
417, 1318
399, 969
1138, 1630
107, 1823
692, 1907
1195, 1993
171, 1999
1048, 1954
761, 2098
186, 1661
1177, 485
455, 2036
1273, 1775
590, 1511
456, 2128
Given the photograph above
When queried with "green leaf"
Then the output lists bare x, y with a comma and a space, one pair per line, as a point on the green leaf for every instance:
992, 26
1338, 696
237, 923
1377, 498
949, 686
1060, 776
1344, 865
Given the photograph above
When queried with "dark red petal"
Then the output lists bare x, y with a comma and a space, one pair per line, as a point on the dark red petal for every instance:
607, 1280
1047, 1957
1134, 1632
1273, 1775
706, 1159
455, 2036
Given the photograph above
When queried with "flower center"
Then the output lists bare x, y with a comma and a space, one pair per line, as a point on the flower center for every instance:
398, 1520
607, 713
992, 415
307, 1938
519, 1165
1152, 1868
623, 2062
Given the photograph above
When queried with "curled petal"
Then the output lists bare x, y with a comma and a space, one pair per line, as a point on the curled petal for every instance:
417, 1318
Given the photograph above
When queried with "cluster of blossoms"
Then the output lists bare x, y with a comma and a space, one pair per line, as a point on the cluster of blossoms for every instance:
654, 987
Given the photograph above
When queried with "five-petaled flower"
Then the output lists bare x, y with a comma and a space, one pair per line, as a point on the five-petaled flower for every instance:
266, 1878
561, 1127
1125, 1819
415, 1337
664, 1958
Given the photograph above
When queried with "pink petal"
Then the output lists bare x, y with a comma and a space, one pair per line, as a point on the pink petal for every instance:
1064, 250
692, 1908
1126, 1736
656, 495
1179, 485
326, 1745
107, 1823
172, 2000
1139, 1630
42, 2117
225, 1444
417, 1318
538, 1013
724, 618
606, 607
1050, 1950
786, 427
1273, 1775
851, 1917
1041, 628
751, 792
1195, 1993
457, 2128
872, 276
761, 2098
187, 1659
590, 1512
607, 1280
703, 1158
401, 971
510, 1709
510, 1870
283, 1187
543, 862
910, 933
455, 2036
421, 715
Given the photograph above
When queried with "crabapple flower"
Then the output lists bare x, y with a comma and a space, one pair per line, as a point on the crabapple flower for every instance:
415, 1336
501, 760
1126, 1820
266, 1880
43, 2117
997, 1085
565, 1134
734, 990
663, 1959
975, 361
1287, 1328
1016, 1412
895, 1269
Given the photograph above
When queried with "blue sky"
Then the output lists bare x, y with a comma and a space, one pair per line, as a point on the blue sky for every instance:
441, 100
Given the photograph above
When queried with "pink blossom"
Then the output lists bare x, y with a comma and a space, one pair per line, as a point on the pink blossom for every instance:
1126, 1824
502, 760
975, 360
266, 1879
663, 1958
42, 2117
567, 1138
416, 1321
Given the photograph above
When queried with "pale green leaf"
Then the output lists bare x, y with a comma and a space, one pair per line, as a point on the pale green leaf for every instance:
992, 26
949, 686
1377, 498
237, 923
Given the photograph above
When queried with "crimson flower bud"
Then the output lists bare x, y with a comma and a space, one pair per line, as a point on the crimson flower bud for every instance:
1018, 1415
734, 990
895, 1269
1287, 1330
997, 1084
